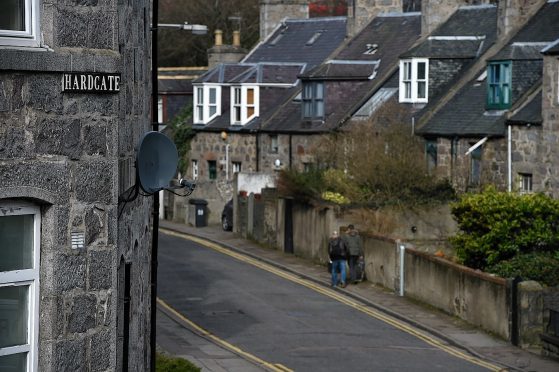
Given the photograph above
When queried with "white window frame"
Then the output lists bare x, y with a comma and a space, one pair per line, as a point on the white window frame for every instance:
237, 166
26, 278
30, 36
526, 184
243, 104
412, 81
202, 103
194, 169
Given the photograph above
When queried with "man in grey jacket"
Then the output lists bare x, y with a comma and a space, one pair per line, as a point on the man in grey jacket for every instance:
354, 245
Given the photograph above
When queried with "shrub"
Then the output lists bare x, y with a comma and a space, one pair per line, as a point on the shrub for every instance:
165, 363
542, 267
305, 186
497, 226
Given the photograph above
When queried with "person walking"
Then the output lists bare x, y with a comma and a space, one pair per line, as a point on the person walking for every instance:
337, 252
354, 246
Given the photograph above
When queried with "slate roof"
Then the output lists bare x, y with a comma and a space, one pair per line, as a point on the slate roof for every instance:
468, 33
177, 80
552, 49
466, 115
292, 41
531, 112
362, 73
542, 28
256, 73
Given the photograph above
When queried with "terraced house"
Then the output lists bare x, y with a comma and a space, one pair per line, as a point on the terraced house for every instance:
74, 262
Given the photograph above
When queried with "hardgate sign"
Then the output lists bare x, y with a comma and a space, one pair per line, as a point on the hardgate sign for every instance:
91, 82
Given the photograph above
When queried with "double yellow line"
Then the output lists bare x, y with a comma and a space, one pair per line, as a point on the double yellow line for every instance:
327, 292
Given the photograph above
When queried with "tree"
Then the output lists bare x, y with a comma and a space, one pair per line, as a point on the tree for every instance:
181, 48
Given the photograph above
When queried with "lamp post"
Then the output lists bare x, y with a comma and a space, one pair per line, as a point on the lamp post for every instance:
197, 30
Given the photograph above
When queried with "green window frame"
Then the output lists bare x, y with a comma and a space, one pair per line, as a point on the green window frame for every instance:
499, 81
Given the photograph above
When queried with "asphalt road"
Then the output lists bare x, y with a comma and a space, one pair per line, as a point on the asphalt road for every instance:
285, 322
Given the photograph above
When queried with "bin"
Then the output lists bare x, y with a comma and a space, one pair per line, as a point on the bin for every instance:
200, 212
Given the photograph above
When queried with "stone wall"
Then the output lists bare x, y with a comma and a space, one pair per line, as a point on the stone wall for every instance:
64, 151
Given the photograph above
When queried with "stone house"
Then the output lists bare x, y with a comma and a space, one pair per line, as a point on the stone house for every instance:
74, 261
488, 129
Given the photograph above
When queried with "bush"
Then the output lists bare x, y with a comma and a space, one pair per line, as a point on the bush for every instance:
542, 267
165, 363
304, 186
497, 226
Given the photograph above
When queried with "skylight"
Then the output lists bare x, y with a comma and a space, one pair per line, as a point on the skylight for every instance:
371, 49
314, 38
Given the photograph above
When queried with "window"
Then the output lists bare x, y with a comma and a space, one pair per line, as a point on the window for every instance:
274, 146
498, 85
414, 78
244, 104
236, 167
475, 167
212, 169
20, 225
313, 100
194, 169
19, 22
431, 154
525, 183
207, 103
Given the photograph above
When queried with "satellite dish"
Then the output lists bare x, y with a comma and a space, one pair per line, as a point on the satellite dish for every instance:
157, 161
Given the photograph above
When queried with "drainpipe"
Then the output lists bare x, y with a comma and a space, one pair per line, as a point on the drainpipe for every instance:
227, 162
402, 256
509, 157
290, 151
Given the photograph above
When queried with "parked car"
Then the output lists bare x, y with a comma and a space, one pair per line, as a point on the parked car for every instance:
227, 216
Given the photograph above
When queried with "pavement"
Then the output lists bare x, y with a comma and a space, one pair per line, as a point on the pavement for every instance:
211, 356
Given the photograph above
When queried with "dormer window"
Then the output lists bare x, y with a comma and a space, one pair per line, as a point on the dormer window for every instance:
313, 100
207, 103
499, 79
244, 104
414, 78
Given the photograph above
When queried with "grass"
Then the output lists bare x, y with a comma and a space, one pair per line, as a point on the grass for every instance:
164, 363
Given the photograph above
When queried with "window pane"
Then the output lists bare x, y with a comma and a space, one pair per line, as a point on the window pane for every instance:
213, 110
200, 110
407, 90
212, 167
319, 91
13, 315
16, 240
421, 91
237, 114
250, 97
421, 70
307, 109
237, 96
407, 70
319, 109
12, 15
307, 91
13, 363
250, 112
213, 95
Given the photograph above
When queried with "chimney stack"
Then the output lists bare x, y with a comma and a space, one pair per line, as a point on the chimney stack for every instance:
515, 13
273, 12
221, 53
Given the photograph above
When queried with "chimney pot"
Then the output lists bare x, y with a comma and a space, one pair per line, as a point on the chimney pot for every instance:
218, 38
237, 38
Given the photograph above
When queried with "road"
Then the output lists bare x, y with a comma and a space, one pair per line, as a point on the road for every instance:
287, 321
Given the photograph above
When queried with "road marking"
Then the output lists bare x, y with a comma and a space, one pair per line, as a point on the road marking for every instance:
338, 297
270, 366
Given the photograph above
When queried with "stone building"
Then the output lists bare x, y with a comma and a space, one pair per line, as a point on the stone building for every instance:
74, 261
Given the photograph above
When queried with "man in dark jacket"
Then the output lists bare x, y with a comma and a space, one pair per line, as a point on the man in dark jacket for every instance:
337, 252
355, 247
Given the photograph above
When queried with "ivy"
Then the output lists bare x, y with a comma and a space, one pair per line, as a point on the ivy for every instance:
182, 136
